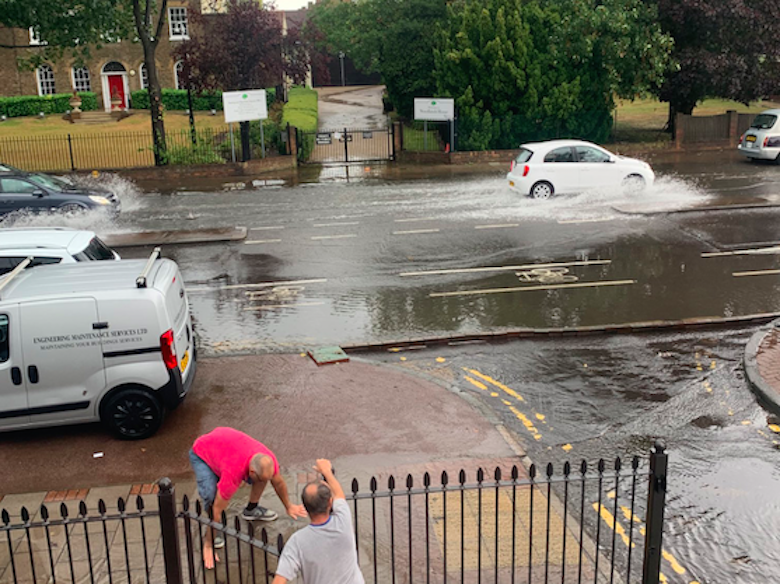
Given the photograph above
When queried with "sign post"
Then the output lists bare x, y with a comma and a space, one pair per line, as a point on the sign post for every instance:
243, 107
434, 110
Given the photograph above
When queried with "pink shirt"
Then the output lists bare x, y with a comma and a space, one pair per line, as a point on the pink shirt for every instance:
228, 452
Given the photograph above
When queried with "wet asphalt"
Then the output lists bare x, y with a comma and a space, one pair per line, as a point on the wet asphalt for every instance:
352, 256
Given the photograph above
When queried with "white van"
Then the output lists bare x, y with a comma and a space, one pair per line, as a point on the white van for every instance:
107, 341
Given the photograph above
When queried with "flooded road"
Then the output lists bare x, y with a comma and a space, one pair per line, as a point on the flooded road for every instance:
594, 397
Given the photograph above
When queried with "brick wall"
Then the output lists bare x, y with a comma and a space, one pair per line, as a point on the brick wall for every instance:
14, 81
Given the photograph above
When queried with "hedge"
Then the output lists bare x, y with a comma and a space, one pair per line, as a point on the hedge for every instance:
176, 99
32, 105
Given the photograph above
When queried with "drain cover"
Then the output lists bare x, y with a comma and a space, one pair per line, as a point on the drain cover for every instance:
327, 355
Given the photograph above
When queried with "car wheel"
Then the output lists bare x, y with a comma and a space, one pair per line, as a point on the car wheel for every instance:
634, 184
72, 209
542, 190
132, 414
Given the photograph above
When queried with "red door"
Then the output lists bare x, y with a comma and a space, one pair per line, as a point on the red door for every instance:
116, 88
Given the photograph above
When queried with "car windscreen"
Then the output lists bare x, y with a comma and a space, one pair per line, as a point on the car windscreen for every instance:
763, 121
96, 250
524, 156
48, 181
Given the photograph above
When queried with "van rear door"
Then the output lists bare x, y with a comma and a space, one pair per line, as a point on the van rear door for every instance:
63, 357
169, 281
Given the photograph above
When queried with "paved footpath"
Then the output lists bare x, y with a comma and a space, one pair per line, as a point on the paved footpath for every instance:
371, 420
762, 364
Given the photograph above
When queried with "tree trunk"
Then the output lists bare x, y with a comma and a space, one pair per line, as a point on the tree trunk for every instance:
155, 106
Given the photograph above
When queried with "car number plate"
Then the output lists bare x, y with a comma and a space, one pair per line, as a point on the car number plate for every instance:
750, 138
184, 361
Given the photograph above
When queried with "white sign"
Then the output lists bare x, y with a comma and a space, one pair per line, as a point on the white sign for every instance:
244, 106
434, 110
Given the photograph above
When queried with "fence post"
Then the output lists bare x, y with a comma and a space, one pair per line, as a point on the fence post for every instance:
656, 499
346, 145
70, 151
166, 499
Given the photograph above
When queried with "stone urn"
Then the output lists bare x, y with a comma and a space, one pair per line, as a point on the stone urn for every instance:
75, 103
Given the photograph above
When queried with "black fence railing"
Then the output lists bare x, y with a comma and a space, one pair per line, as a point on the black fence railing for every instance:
111, 150
346, 145
593, 524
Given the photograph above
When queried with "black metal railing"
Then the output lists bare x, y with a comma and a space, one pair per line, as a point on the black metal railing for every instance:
346, 145
586, 524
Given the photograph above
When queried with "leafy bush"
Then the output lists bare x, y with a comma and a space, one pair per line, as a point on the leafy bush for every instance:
31, 105
203, 152
301, 111
176, 99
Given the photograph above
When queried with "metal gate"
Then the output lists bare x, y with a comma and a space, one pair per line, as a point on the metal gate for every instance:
345, 145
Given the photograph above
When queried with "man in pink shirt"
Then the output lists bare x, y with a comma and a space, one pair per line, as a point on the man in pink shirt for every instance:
222, 460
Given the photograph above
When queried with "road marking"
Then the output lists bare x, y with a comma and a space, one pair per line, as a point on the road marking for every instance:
337, 224
775, 249
268, 228
345, 236
291, 305
592, 220
497, 226
475, 383
756, 273
529, 425
498, 384
415, 231
258, 285
505, 268
532, 288
415, 219
257, 241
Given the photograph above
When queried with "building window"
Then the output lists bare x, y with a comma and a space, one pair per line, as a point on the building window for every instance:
178, 74
45, 76
144, 74
35, 38
177, 23
81, 80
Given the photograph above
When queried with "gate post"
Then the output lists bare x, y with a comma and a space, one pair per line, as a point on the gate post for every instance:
70, 151
656, 499
346, 145
166, 499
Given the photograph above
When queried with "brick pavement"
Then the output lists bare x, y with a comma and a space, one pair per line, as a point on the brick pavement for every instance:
762, 364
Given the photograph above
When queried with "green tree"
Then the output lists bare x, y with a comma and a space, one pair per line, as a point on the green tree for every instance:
524, 70
391, 37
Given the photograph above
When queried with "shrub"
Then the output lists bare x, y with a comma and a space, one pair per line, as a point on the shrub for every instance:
176, 99
31, 105
301, 111
203, 152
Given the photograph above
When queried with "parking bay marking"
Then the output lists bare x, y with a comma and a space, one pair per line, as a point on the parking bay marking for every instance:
257, 285
505, 268
532, 288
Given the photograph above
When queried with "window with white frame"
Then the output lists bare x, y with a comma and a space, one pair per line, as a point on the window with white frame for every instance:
177, 23
81, 80
178, 75
144, 76
35, 39
45, 77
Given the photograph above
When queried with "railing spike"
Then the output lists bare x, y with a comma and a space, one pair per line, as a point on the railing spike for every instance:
185, 503
515, 472
355, 487
427, 480
391, 482
583, 466
409, 481
264, 536
462, 477
602, 466
480, 475
444, 478
618, 464
372, 484
280, 543
101, 507
83, 508
45, 512
139, 503
549, 470
566, 468
635, 463
63, 510
532, 472
25, 514
497, 474
6, 517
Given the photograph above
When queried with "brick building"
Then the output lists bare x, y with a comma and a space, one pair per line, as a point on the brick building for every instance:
114, 70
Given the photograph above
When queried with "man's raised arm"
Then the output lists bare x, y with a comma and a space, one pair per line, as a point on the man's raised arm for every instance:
325, 468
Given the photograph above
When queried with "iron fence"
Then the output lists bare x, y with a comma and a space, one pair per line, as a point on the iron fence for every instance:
69, 152
508, 525
346, 145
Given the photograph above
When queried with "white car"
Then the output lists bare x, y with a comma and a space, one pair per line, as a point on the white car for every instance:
544, 169
762, 139
51, 245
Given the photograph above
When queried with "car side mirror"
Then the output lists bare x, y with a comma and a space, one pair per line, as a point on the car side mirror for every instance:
610, 160
39, 193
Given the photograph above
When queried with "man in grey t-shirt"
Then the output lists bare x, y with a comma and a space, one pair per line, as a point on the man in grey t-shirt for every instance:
324, 551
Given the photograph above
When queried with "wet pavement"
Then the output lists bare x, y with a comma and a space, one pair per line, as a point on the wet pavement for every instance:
351, 107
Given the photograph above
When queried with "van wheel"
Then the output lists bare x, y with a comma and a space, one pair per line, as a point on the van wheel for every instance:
132, 414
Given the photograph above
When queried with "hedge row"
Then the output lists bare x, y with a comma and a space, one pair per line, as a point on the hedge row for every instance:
32, 105
176, 99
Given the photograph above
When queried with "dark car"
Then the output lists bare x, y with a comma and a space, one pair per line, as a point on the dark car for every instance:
42, 193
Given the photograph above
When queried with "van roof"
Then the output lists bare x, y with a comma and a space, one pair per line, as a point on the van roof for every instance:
84, 277
72, 240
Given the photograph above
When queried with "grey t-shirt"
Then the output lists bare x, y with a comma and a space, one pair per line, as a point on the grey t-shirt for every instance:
323, 554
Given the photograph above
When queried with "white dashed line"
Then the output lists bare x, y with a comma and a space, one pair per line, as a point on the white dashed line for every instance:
775, 249
257, 285
756, 273
258, 241
268, 228
415, 219
270, 306
336, 224
505, 225
345, 236
592, 220
532, 288
415, 231
506, 268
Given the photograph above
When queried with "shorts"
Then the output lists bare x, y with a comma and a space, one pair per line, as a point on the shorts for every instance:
207, 479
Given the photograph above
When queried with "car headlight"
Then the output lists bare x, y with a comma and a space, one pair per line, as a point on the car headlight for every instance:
100, 200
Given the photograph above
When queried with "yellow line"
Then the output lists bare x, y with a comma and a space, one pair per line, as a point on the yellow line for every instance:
755, 273
529, 425
475, 383
532, 288
506, 268
498, 384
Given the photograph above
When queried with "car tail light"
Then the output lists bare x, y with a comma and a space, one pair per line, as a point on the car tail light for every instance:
168, 350
766, 141
525, 170
742, 138
512, 166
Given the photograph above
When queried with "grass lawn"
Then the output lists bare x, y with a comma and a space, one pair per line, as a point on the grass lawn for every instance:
54, 125
643, 120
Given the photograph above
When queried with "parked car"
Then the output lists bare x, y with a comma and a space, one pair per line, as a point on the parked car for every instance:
38, 192
50, 245
95, 341
544, 169
762, 140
